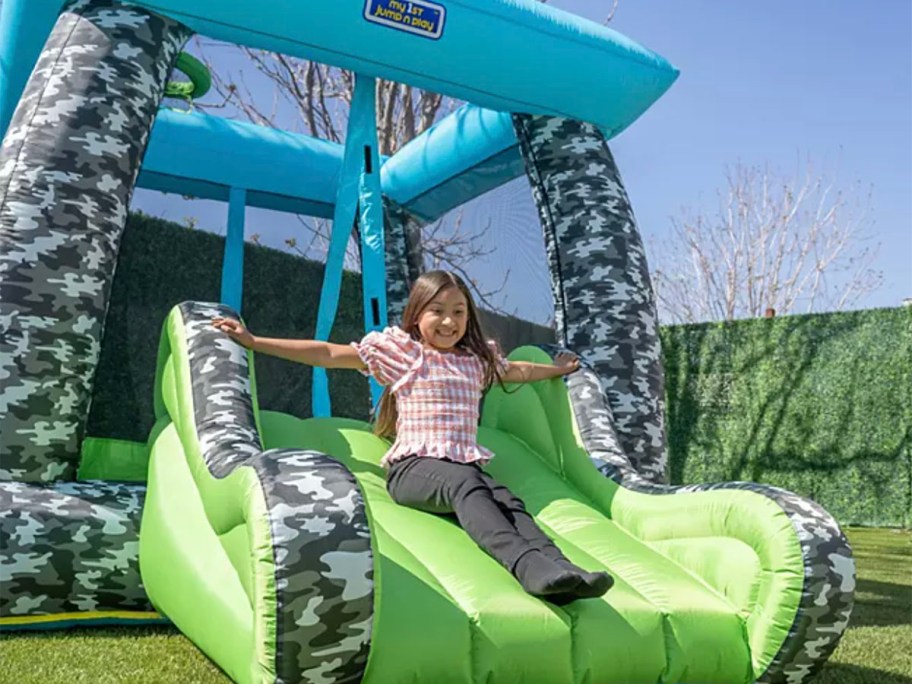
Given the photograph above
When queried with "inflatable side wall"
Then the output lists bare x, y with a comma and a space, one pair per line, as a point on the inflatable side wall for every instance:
70, 160
262, 557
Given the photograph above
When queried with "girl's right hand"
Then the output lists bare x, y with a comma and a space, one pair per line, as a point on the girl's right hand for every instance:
235, 330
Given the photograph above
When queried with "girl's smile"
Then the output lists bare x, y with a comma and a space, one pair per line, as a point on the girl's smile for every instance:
442, 323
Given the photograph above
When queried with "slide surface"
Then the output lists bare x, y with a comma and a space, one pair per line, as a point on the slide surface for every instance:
447, 612
273, 544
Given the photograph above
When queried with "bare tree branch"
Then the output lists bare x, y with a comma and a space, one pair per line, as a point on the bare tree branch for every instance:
787, 244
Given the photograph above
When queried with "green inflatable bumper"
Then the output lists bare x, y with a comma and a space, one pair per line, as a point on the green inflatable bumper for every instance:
273, 544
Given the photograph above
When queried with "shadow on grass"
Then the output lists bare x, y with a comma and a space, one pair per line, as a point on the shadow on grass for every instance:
881, 604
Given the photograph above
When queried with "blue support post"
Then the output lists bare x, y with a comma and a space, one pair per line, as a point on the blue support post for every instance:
361, 134
373, 262
233, 260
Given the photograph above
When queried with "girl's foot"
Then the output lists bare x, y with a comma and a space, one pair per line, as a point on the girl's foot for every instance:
592, 584
541, 576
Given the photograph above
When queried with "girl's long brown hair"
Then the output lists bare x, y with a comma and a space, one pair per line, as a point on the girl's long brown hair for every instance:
425, 289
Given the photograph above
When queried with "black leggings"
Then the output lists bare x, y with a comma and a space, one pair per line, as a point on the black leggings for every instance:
491, 515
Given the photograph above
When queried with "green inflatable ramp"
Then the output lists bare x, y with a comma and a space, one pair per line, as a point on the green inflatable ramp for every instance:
273, 544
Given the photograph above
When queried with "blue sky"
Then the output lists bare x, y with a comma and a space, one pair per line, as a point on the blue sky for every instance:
768, 83
765, 82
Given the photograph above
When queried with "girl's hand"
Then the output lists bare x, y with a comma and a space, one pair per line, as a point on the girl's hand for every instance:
567, 362
235, 330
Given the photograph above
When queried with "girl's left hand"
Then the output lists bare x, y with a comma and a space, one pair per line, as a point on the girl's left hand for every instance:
567, 362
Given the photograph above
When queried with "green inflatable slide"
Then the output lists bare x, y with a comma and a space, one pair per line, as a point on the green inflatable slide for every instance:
273, 544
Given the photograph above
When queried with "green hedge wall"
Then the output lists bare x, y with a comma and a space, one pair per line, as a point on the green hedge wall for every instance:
820, 405
162, 264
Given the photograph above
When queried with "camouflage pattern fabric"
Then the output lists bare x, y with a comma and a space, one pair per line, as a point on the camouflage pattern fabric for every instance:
70, 547
67, 168
320, 533
829, 569
603, 300
403, 256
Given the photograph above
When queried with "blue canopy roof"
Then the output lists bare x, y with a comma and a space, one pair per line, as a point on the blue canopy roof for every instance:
506, 55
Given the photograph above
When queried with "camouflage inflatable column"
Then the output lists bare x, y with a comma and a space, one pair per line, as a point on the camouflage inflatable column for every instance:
604, 304
70, 551
403, 256
67, 168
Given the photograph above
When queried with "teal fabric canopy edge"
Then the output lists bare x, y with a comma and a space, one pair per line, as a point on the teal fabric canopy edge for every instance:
506, 55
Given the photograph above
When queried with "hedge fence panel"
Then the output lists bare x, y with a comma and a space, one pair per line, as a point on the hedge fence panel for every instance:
817, 404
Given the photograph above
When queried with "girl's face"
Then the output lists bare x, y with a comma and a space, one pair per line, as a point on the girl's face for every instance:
442, 323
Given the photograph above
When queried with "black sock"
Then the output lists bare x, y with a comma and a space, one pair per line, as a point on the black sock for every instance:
541, 576
592, 584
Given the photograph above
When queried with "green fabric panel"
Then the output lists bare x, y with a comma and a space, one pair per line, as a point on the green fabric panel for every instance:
766, 536
229, 502
728, 565
748, 517
185, 569
113, 459
703, 636
236, 543
262, 564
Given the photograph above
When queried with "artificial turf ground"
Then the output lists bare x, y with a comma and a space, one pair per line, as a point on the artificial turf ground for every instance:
876, 648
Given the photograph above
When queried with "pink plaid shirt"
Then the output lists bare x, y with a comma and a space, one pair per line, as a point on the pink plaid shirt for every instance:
437, 395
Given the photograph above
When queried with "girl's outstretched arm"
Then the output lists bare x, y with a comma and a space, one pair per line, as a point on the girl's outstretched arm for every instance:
311, 352
525, 371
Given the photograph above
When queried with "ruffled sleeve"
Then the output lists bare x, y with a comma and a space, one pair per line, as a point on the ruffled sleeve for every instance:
500, 362
391, 356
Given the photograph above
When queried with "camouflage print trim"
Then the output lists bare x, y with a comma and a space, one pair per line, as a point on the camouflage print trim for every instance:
829, 569
403, 256
320, 533
603, 300
70, 547
67, 168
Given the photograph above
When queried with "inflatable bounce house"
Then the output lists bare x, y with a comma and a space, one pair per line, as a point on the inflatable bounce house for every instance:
270, 541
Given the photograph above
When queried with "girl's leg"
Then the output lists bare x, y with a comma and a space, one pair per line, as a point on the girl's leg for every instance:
515, 511
439, 486
594, 583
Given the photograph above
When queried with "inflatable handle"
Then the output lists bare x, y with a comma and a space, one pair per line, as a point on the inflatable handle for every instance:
197, 72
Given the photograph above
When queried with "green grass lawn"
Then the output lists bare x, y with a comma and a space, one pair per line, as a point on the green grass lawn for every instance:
876, 649
877, 646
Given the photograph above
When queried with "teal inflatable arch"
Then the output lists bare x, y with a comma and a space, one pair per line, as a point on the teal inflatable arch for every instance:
271, 542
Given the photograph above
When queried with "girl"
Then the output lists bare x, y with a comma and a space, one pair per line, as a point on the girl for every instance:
434, 369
